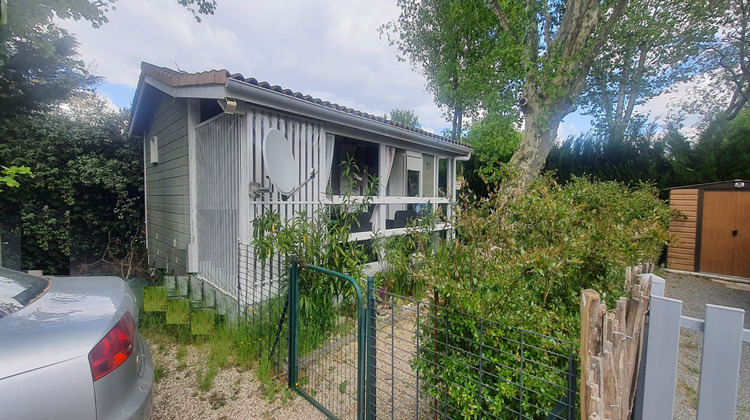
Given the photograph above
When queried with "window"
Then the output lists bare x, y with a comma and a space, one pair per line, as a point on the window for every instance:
362, 156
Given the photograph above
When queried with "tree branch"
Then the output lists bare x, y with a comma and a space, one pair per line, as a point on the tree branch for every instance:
501, 18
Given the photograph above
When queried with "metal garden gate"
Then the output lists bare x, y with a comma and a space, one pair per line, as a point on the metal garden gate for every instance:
327, 366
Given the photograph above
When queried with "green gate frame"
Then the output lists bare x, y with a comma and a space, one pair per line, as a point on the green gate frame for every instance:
294, 271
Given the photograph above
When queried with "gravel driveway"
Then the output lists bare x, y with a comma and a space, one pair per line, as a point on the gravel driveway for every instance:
695, 292
235, 393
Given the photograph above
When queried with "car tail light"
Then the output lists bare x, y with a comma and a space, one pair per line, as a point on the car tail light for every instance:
114, 349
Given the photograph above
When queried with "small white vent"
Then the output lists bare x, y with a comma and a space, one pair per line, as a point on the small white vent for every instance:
153, 145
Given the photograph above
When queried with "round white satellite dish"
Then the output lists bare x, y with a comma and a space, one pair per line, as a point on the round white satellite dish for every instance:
280, 164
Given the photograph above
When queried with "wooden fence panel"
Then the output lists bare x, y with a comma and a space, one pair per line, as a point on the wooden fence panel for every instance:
611, 344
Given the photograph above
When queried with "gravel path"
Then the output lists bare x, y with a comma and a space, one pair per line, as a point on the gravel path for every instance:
235, 393
695, 292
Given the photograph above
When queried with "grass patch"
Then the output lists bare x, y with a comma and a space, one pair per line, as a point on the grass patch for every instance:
206, 379
178, 311
155, 298
181, 357
269, 386
695, 369
202, 321
690, 393
158, 373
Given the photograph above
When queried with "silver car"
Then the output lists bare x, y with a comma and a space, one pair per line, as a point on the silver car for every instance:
70, 349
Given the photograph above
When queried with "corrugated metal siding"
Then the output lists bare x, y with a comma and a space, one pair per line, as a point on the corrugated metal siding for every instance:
682, 256
167, 188
308, 145
218, 178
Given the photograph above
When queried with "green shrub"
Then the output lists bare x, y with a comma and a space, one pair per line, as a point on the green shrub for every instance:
522, 260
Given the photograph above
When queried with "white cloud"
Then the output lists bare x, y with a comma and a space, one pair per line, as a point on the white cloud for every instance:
331, 50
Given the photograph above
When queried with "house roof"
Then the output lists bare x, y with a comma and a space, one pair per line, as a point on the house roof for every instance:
177, 79
732, 184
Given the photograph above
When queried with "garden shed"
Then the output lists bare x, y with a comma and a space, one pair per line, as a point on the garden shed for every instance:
715, 237
208, 176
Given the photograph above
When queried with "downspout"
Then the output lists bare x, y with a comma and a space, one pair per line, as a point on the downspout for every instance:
145, 199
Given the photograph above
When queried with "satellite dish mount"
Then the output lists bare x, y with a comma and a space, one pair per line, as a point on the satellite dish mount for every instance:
280, 164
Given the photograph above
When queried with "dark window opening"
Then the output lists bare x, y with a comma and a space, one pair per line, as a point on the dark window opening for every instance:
363, 160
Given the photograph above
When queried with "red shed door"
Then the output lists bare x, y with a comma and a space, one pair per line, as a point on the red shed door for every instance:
725, 233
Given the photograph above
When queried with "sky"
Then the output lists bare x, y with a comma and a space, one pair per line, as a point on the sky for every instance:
328, 49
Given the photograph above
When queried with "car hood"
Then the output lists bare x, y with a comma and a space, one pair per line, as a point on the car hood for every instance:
64, 323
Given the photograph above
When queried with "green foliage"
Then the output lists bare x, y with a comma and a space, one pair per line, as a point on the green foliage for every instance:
721, 153
8, 175
404, 116
405, 254
651, 50
321, 239
640, 156
522, 261
667, 159
85, 201
546, 245
494, 139
458, 46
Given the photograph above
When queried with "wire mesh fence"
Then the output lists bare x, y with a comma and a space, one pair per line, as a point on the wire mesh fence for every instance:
263, 287
422, 360
426, 361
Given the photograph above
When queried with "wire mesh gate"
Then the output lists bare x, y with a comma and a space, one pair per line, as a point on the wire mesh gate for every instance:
327, 346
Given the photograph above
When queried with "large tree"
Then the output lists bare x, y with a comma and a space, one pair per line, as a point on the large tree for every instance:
647, 53
724, 90
538, 52
404, 116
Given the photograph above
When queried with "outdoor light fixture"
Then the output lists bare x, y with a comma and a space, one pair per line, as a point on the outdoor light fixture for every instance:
229, 105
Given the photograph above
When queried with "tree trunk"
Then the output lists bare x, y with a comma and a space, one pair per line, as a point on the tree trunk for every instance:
541, 123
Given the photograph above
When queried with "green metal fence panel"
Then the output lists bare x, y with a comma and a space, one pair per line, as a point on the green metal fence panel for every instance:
323, 367
388, 356
427, 361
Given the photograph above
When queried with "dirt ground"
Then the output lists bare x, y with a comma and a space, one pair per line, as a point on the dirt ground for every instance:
235, 393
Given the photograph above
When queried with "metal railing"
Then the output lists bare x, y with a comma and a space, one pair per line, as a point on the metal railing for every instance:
427, 361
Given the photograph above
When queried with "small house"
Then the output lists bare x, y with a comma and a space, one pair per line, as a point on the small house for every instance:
207, 173
715, 236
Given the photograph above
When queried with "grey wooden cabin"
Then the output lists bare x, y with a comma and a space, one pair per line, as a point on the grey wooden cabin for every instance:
204, 171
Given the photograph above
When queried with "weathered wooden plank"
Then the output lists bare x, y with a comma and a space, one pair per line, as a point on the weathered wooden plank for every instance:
687, 231
683, 223
692, 192
590, 344
686, 253
685, 266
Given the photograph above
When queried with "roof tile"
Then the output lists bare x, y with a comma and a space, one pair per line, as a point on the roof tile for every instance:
176, 78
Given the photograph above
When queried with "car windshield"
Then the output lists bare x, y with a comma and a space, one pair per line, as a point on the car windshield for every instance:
17, 290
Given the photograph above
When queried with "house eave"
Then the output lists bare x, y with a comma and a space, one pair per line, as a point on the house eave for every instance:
276, 100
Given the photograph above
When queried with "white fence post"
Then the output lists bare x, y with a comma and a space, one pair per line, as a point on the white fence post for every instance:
720, 363
660, 374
